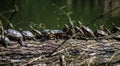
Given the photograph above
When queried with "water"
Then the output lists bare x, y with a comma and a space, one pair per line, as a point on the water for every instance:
37, 12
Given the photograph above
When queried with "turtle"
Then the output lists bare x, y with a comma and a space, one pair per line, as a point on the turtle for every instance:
59, 34
71, 25
48, 34
27, 35
116, 37
115, 28
4, 40
106, 30
79, 31
68, 31
36, 32
100, 33
14, 35
66, 28
88, 32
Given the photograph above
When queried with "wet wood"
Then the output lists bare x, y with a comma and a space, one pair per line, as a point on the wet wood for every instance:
74, 52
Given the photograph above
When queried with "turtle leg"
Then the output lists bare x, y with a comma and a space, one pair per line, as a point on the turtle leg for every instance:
34, 38
21, 42
5, 44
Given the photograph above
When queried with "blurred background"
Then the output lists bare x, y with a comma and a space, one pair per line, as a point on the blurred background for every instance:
43, 14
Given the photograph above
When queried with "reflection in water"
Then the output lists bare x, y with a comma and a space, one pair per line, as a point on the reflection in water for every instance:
36, 12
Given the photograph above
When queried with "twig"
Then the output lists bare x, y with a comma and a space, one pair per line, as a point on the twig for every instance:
13, 14
32, 60
15, 10
93, 20
61, 45
62, 60
61, 9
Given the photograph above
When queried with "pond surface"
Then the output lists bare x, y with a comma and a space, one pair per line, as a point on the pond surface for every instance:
37, 12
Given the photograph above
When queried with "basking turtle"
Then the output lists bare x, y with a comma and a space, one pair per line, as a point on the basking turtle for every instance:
48, 34
116, 37
88, 32
14, 35
37, 33
59, 34
106, 30
27, 35
100, 33
71, 25
115, 28
4, 40
68, 31
79, 31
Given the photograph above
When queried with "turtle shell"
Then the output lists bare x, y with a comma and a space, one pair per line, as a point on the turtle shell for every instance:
13, 34
28, 34
100, 33
117, 37
116, 29
88, 32
37, 33
79, 31
48, 34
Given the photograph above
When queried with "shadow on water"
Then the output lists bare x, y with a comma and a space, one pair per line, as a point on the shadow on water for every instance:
36, 12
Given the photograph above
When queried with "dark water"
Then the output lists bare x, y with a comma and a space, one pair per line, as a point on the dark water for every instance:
37, 12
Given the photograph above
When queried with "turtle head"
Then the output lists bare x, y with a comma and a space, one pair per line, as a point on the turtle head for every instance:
79, 23
20, 29
31, 27
66, 26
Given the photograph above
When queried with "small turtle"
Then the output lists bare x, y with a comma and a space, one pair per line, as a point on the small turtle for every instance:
48, 34
79, 31
59, 34
71, 24
88, 32
116, 37
27, 35
4, 40
100, 33
14, 35
68, 31
66, 28
106, 30
115, 28
37, 33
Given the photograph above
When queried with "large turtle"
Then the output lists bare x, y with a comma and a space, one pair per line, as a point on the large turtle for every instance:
15, 35
27, 35
4, 40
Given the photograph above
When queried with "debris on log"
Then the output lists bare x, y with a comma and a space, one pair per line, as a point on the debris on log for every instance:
73, 53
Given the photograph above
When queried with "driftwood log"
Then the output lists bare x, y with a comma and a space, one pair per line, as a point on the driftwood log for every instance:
73, 53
